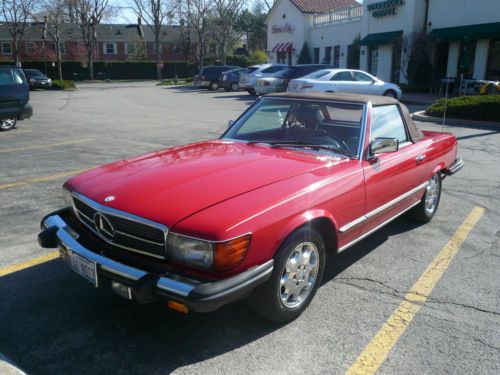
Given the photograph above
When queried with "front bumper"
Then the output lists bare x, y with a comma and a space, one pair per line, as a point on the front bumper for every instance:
266, 89
149, 287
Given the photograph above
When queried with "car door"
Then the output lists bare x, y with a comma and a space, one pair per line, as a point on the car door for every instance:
342, 82
393, 181
364, 84
14, 93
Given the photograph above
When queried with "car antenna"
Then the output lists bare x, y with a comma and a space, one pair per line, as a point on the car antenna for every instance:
445, 104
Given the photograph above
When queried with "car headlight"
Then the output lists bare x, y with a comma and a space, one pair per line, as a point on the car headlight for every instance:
190, 251
32, 80
205, 254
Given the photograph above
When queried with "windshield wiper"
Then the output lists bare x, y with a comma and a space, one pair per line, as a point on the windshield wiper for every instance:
312, 146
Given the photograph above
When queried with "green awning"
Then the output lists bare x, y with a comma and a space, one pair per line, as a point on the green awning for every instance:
381, 38
481, 31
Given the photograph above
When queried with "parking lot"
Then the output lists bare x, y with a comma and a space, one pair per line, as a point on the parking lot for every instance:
53, 322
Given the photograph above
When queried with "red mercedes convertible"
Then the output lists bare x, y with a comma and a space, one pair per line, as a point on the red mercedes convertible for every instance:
252, 214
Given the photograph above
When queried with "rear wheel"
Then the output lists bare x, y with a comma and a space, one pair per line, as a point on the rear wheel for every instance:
7, 124
297, 273
428, 206
391, 94
213, 86
235, 87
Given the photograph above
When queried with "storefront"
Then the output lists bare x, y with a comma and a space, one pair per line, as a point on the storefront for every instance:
463, 38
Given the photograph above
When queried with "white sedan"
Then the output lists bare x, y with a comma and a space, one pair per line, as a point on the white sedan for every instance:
344, 81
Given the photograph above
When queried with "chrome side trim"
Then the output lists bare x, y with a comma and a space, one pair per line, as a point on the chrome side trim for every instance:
376, 228
382, 208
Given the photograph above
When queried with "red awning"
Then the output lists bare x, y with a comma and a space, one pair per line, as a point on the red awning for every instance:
282, 47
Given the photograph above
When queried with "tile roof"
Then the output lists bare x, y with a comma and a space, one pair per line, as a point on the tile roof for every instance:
322, 6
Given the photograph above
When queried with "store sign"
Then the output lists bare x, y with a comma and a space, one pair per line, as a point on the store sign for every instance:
385, 8
285, 28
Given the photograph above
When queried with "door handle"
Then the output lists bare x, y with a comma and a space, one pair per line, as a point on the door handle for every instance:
420, 158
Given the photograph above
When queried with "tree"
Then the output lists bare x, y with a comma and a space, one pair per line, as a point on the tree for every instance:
226, 13
199, 12
16, 14
266, 4
416, 66
305, 56
89, 14
251, 25
257, 57
155, 13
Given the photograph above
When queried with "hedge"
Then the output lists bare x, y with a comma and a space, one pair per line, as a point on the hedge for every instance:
74, 70
482, 108
63, 85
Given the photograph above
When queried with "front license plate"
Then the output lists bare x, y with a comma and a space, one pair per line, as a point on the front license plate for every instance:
84, 267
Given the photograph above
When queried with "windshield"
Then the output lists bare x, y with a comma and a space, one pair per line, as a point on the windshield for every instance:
301, 123
285, 73
317, 74
34, 73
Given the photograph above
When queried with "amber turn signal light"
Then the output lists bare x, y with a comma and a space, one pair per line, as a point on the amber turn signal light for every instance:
229, 254
177, 306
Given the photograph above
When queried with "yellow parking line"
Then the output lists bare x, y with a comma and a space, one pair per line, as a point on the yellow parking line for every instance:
377, 350
14, 132
42, 179
29, 263
45, 146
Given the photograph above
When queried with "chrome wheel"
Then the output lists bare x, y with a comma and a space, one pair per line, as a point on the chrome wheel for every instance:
7, 124
299, 275
432, 195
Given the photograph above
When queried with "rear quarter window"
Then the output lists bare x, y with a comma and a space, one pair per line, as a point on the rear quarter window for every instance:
6, 77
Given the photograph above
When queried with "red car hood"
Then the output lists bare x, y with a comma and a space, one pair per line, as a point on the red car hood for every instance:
167, 186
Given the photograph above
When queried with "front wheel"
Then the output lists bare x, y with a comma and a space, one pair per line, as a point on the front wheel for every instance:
213, 86
235, 87
428, 206
7, 124
297, 273
391, 94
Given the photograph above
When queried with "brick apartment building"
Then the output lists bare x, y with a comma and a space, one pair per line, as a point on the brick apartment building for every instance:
115, 42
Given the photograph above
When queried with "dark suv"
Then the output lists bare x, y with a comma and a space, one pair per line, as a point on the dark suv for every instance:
209, 75
14, 97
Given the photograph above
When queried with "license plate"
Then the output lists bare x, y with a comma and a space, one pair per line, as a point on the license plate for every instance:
43, 83
84, 267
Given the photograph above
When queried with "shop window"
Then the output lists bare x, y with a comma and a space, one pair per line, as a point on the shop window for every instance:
336, 56
328, 56
6, 48
30, 48
373, 60
466, 59
493, 67
316, 55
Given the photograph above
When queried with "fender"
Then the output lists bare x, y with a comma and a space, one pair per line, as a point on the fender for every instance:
441, 166
302, 219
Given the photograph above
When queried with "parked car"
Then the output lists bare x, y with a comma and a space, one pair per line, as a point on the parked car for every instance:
14, 97
345, 81
278, 82
229, 80
209, 75
248, 81
253, 213
37, 80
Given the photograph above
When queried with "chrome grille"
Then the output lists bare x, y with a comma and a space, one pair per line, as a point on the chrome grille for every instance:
130, 232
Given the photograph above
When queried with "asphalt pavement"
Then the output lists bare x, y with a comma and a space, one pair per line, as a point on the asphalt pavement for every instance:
54, 322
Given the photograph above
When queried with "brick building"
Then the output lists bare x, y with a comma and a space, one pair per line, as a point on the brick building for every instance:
115, 42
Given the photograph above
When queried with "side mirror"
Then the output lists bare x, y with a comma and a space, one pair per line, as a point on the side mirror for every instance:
383, 146
230, 123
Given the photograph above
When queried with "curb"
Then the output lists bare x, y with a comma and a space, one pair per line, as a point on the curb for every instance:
421, 116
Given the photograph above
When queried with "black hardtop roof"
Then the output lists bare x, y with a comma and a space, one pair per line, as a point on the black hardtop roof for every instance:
376, 100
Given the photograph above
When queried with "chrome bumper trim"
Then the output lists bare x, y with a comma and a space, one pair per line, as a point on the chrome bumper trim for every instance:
69, 242
455, 167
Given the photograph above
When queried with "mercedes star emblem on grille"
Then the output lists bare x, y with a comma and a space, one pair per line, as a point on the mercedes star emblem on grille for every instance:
104, 226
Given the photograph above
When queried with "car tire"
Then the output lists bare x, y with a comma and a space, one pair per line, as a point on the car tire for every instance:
298, 268
429, 203
391, 94
235, 87
213, 86
227, 89
8, 124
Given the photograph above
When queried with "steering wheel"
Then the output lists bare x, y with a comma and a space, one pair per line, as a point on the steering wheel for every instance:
332, 141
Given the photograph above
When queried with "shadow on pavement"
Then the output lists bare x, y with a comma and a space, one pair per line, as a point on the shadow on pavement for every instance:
53, 322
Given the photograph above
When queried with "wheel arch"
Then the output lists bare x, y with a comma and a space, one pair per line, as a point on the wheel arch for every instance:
321, 220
